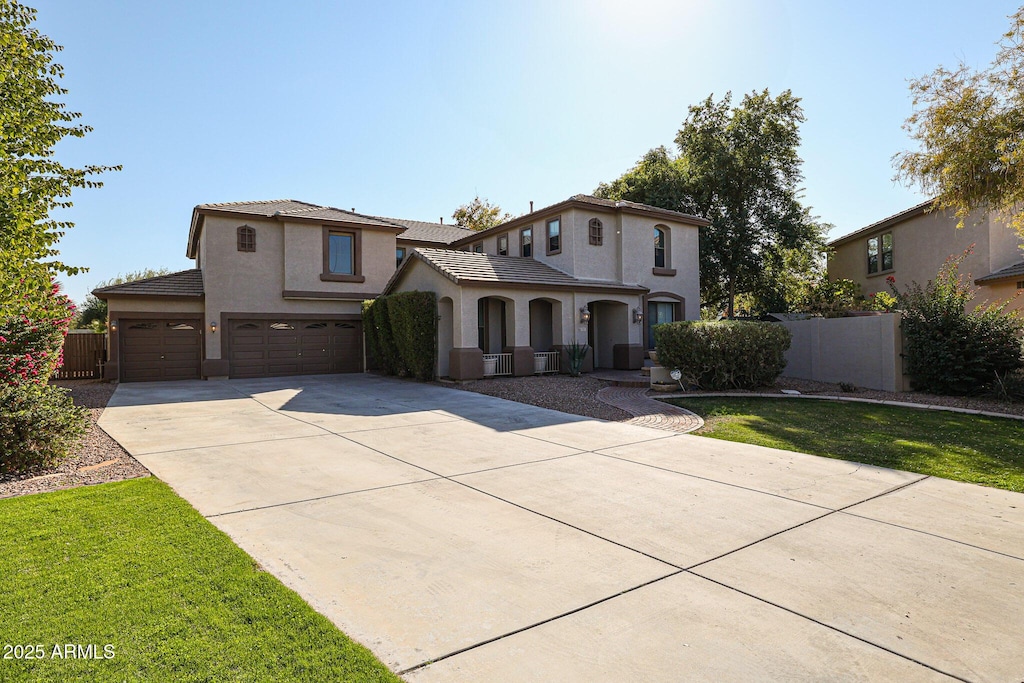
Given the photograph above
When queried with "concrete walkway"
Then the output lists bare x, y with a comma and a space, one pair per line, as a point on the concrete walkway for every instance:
465, 538
648, 412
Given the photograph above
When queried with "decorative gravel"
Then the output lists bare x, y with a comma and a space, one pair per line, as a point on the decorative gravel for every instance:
576, 395
99, 458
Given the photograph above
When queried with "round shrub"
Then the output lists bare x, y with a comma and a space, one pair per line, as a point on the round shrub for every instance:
401, 333
39, 427
729, 354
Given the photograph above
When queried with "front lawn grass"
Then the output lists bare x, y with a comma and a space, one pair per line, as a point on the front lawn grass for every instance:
132, 565
974, 448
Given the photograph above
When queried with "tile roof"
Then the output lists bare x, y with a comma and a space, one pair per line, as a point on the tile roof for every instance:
471, 267
182, 283
421, 231
590, 200
884, 223
285, 208
1016, 270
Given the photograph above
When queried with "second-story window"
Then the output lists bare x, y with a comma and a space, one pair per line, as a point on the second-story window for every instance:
880, 253
246, 238
399, 256
660, 248
341, 259
503, 245
342, 256
478, 248
554, 230
596, 232
526, 240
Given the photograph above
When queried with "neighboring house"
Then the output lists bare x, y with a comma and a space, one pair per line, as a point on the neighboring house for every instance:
911, 246
278, 287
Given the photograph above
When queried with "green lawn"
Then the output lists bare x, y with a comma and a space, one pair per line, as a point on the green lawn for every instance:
983, 450
132, 565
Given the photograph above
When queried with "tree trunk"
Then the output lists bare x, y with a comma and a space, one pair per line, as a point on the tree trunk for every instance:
732, 297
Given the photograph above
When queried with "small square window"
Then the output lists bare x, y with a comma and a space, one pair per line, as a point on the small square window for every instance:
1020, 284
478, 248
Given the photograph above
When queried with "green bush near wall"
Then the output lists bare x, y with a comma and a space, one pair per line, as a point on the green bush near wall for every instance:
729, 354
401, 333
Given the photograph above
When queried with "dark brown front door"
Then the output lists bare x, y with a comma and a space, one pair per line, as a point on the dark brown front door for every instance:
153, 350
272, 348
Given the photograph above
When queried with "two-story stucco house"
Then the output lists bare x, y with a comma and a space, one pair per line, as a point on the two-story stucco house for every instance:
278, 286
912, 245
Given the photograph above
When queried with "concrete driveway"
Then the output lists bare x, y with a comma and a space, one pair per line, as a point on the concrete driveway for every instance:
463, 537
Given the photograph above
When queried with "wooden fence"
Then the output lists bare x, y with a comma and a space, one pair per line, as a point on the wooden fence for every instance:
84, 354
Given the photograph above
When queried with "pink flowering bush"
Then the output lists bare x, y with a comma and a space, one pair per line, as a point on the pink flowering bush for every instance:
31, 348
39, 424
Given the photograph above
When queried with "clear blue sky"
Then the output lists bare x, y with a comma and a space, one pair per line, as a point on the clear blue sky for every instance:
410, 109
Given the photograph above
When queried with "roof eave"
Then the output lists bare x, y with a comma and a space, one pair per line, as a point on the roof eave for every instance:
912, 212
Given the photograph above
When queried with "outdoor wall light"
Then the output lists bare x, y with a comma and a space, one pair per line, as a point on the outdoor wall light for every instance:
584, 315
638, 316
213, 326
113, 326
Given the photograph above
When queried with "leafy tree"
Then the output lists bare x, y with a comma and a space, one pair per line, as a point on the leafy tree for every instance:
32, 182
480, 214
93, 312
739, 168
970, 129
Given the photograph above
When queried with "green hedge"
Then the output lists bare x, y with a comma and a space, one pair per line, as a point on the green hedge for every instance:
723, 355
401, 333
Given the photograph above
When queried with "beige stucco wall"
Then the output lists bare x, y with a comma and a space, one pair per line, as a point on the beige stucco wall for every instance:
863, 351
253, 282
117, 305
684, 257
920, 246
998, 292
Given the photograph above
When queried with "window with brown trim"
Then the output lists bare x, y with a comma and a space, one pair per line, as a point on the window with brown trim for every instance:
342, 256
478, 248
661, 248
553, 228
503, 245
526, 242
246, 238
1020, 284
399, 256
596, 232
880, 253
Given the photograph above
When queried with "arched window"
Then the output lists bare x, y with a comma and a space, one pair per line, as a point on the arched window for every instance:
661, 247
246, 238
596, 232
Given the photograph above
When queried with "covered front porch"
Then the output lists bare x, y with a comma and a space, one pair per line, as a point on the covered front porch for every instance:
514, 333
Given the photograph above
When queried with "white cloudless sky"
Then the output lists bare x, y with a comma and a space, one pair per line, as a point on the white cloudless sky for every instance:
409, 109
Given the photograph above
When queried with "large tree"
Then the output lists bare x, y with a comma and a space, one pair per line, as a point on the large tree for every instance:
969, 126
32, 182
738, 167
480, 214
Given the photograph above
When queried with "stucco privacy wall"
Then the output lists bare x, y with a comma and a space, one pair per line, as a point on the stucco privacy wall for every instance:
864, 351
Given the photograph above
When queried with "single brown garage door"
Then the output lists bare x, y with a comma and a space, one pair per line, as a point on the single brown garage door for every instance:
274, 348
152, 350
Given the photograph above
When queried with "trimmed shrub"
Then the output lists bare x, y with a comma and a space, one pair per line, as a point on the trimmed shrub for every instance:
39, 427
401, 332
723, 355
950, 349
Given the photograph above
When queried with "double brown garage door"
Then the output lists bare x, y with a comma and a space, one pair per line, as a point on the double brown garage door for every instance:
272, 348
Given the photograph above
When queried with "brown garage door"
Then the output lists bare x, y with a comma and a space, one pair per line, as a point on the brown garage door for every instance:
273, 348
152, 350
